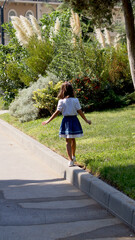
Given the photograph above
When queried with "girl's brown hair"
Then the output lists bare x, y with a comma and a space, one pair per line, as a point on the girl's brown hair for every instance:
66, 90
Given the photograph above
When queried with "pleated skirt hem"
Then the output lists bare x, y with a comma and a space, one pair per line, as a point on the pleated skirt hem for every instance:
71, 136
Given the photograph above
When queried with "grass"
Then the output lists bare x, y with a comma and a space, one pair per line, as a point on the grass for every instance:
107, 149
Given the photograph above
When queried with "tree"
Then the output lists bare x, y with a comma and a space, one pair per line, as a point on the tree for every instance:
101, 13
130, 32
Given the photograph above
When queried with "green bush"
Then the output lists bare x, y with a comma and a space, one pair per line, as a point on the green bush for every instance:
131, 98
19, 65
22, 107
95, 94
10, 82
47, 98
40, 55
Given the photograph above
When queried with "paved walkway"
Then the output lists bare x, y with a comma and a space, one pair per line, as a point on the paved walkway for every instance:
35, 204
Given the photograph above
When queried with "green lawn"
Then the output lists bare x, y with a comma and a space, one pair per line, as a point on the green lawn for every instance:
107, 149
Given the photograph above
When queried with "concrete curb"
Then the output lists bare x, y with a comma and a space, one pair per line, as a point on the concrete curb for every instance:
114, 201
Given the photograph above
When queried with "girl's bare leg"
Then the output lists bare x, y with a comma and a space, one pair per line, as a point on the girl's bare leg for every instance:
73, 146
69, 148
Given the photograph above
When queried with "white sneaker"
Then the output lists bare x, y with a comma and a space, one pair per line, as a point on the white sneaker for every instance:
74, 159
70, 163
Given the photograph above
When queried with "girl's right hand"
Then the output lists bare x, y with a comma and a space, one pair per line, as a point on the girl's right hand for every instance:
89, 122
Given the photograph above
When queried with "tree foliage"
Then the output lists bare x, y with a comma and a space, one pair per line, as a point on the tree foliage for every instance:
100, 11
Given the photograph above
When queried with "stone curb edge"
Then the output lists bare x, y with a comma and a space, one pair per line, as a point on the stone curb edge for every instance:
114, 201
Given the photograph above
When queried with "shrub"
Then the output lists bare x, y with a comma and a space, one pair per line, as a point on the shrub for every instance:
97, 94
131, 97
21, 65
86, 89
10, 82
47, 98
22, 107
40, 55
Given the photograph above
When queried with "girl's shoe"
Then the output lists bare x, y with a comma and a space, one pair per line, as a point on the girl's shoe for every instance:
70, 163
74, 159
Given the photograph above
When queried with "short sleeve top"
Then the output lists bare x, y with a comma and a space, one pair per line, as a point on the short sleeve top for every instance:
68, 106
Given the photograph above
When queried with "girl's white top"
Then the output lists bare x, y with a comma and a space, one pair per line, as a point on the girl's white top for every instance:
68, 106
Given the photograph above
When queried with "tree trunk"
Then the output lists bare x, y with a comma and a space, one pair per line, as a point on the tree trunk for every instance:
130, 33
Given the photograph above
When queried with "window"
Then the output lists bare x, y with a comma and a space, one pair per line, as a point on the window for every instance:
11, 13
28, 13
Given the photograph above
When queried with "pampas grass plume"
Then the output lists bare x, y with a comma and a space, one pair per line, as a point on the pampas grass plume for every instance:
27, 25
17, 20
100, 37
36, 26
57, 26
20, 34
107, 36
75, 24
116, 40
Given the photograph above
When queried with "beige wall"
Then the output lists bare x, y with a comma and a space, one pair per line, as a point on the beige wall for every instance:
118, 15
43, 8
19, 8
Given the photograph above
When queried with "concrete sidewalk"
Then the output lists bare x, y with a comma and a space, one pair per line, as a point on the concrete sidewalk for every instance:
37, 203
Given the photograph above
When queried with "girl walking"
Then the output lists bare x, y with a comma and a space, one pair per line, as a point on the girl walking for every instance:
70, 127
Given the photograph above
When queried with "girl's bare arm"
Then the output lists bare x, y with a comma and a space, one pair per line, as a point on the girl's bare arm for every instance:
83, 116
55, 114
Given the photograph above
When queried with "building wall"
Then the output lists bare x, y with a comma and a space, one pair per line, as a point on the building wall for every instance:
118, 15
20, 9
23, 7
43, 8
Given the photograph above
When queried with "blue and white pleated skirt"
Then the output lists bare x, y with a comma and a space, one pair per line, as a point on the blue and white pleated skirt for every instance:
70, 127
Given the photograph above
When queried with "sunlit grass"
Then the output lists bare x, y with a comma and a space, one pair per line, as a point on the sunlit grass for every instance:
107, 149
